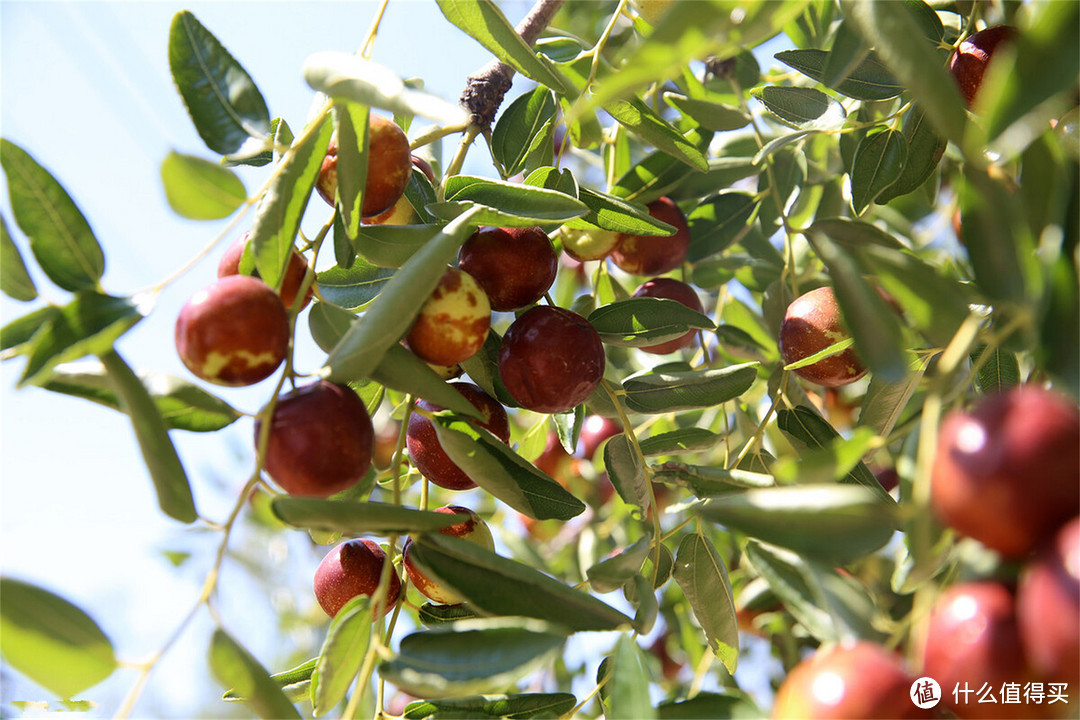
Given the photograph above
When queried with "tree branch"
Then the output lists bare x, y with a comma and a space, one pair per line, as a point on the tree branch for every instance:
486, 88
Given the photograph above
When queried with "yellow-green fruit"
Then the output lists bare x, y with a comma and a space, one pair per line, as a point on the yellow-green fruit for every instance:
453, 323
652, 10
585, 245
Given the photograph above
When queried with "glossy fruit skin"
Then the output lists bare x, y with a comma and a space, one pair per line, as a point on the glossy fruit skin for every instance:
969, 62
428, 456
860, 680
454, 322
972, 637
585, 245
671, 289
353, 568
652, 255
1007, 473
388, 171
811, 324
402, 212
234, 332
1048, 608
294, 273
514, 266
475, 530
321, 440
551, 359
595, 430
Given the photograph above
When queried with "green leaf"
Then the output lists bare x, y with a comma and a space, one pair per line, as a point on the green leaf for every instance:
355, 518
708, 480
803, 108
483, 21
625, 470
295, 682
19, 332
626, 693
657, 173
392, 245
51, 641
833, 523
500, 586
854, 234
354, 287
639, 119
348, 76
999, 370
183, 406
729, 704
638, 591
703, 577
198, 189
846, 53
402, 371
520, 127
15, 281
715, 116
609, 574
813, 432
617, 215
390, 314
431, 614
925, 149
220, 96
645, 321
277, 218
660, 392
236, 668
60, 238
869, 79
892, 29
341, 655
472, 656
516, 706
1000, 247
885, 402
351, 126
718, 223
722, 173
503, 473
677, 442
88, 325
151, 432
539, 205
879, 161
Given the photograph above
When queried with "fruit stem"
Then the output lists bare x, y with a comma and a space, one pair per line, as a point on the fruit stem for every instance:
366, 48
459, 157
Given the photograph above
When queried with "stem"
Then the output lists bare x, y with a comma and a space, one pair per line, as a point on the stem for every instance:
370, 40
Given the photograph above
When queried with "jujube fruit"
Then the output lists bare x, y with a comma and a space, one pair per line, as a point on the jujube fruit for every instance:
427, 454
1048, 608
234, 332
454, 322
294, 273
321, 440
514, 266
595, 430
551, 359
969, 62
650, 254
811, 324
1007, 472
353, 568
389, 167
585, 245
473, 529
671, 289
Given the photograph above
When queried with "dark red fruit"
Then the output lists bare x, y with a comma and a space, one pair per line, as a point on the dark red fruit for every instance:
860, 680
1007, 473
388, 171
234, 332
428, 456
551, 359
972, 638
968, 63
811, 324
1048, 608
294, 273
353, 568
514, 266
474, 529
651, 255
321, 440
594, 431
671, 289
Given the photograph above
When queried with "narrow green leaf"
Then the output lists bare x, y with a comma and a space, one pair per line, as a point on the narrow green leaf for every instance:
715, 116
729, 704
432, 615
879, 161
854, 234
341, 655
703, 577
708, 480
504, 473
868, 79
277, 218
521, 125
847, 51
626, 695
657, 173
609, 574
639, 593
220, 96
645, 321
351, 126
516, 706
15, 281
885, 402
19, 332
999, 370
236, 668
295, 682
925, 149
392, 245
51, 641
803, 108
60, 237
677, 442
402, 371
626, 472
718, 223
660, 392
539, 204
198, 189
639, 119
183, 406
999, 244
723, 172
354, 287
472, 656
355, 518
617, 215
365, 343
